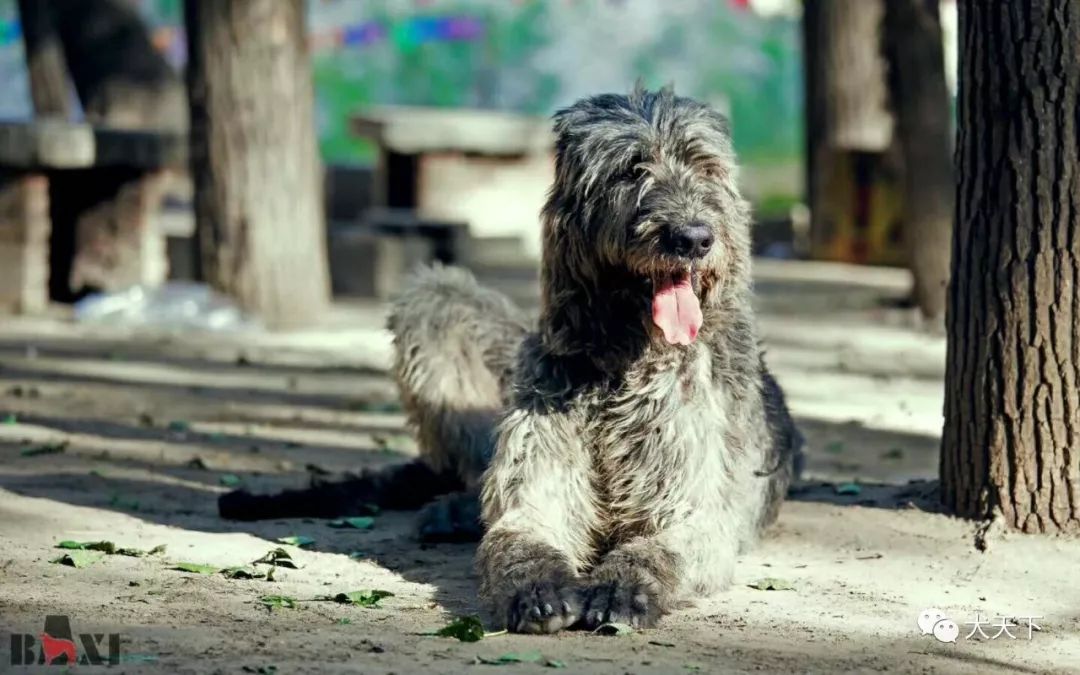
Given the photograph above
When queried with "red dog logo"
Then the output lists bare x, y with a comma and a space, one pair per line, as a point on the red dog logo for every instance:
54, 647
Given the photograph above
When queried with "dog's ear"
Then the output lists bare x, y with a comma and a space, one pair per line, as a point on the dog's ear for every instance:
564, 278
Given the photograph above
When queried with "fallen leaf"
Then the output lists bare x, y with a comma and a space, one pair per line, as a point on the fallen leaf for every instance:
512, 657
464, 628
279, 557
229, 479
242, 573
80, 558
619, 629
272, 601
296, 540
179, 426
395, 443
834, 448
343, 621
554, 663
366, 598
356, 523
848, 489
45, 449
374, 406
772, 584
658, 643
196, 568
357, 555
893, 453
121, 502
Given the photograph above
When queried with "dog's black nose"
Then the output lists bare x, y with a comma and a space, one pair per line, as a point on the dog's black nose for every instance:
693, 240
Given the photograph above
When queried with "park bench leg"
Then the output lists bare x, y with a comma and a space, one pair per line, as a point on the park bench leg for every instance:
24, 242
108, 235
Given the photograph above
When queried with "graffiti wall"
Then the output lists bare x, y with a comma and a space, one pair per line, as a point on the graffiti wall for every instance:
531, 56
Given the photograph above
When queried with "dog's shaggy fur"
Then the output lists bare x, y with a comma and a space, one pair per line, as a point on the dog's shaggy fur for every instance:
619, 473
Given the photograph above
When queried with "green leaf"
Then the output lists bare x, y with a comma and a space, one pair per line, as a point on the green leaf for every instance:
523, 657
229, 480
242, 573
179, 426
343, 621
464, 628
196, 568
772, 584
121, 502
619, 629
45, 449
366, 598
296, 540
356, 523
103, 546
10, 418
834, 448
282, 601
374, 406
79, 558
279, 557
848, 489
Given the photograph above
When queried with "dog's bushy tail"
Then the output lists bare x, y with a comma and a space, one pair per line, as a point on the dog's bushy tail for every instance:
455, 344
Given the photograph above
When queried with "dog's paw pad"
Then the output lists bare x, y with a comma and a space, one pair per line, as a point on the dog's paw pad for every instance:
544, 607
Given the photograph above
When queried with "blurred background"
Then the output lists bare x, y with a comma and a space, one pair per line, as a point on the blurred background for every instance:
431, 121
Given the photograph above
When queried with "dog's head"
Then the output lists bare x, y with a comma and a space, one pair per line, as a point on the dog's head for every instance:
645, 198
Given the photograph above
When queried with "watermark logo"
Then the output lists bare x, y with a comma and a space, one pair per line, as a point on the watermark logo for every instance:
934, 622
56, 645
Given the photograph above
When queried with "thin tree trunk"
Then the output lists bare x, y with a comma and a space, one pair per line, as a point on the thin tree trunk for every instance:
846, 101
260, 221
50, 89
920, 99
1012, 413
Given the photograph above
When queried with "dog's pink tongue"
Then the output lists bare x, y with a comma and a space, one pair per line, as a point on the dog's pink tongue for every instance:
677, 312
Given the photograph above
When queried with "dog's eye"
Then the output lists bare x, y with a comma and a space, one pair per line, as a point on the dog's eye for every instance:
711, 171
632, 173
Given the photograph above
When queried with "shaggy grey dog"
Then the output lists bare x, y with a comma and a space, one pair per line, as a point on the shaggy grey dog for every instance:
638, 441
627, 448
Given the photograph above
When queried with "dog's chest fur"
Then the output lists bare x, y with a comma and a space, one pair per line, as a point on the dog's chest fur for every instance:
653, 439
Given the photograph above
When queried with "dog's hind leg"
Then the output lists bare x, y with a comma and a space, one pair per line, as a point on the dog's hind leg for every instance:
454, 348
408, 486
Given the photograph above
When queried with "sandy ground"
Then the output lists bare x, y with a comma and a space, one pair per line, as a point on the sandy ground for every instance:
152, 423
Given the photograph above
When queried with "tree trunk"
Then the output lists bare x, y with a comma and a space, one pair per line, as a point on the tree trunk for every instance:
849, 125
121, 79
1012, 413
260, 222
920, 99
49, 86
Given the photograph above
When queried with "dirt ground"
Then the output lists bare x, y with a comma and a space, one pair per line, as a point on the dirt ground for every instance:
128, 436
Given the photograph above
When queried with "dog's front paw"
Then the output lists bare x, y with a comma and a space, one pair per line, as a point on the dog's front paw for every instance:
620, 602
544, 607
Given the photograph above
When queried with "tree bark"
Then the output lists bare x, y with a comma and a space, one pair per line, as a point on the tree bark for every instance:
50, 89
260, 222
1011, 441
920, 100
847, 110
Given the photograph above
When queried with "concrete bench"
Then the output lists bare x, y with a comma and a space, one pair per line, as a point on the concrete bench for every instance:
369, 257
77, 210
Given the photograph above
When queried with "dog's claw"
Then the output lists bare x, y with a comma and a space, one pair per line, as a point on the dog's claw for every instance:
532, 609
617, 602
